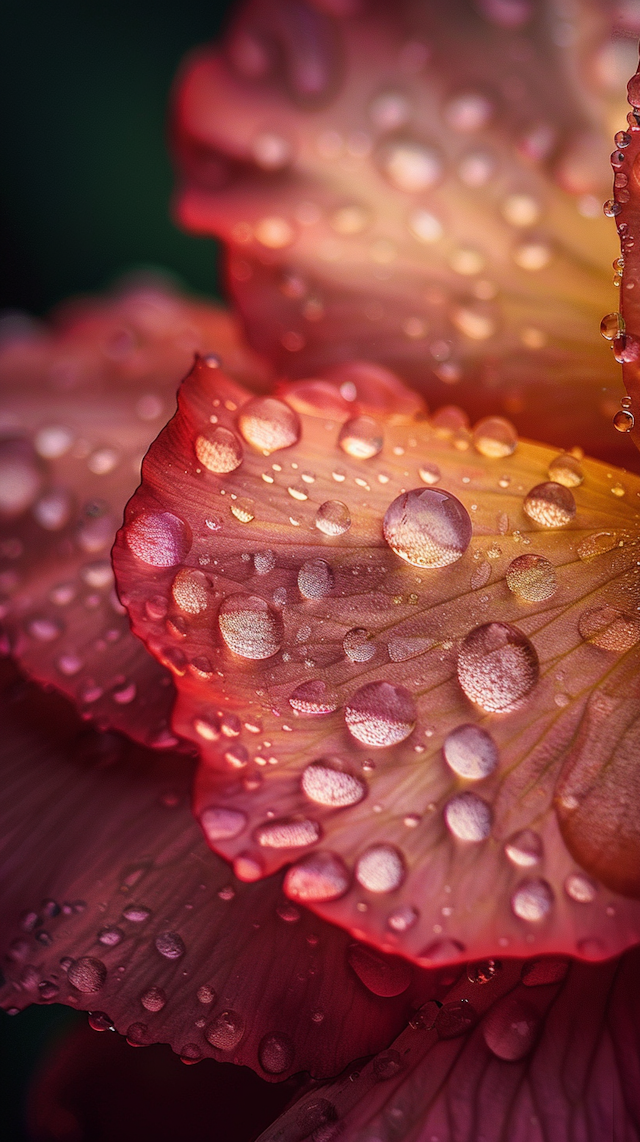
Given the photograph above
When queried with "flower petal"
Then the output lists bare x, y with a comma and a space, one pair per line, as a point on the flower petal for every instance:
518, 1058
441, 210
80, 405
112, 903
391, 683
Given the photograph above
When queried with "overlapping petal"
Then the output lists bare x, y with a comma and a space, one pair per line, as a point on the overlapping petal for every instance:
80, 404
422, 184
408, 655
112, 903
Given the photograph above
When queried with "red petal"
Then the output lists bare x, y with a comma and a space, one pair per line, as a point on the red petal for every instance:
391, 684
440, 211
81, 404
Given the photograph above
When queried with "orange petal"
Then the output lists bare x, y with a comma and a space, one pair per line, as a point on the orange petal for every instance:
404, 635
439, 211
81, 403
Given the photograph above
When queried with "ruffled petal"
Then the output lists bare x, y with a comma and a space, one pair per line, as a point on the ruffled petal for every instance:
112, 903
437, 207
544, 1052
80, 404
408, 655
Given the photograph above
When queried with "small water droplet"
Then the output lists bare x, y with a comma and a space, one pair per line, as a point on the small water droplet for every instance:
315, 579
455, 1018
268, 424
87, 974
624, 420
470, 752
288, 833
219, 450
612, 326
580, 888
532, 899
158, 538
532, 578
332, 518
317, 877
220, 823
483, 971
380, 869
550, 505
495, 437
468, 817
565, 469
358, 645
249, 626
110, 937
497, 666
429, 473
170, 945
361, 437
326, 783
380, 714
153, 999
226, 1030
402, 918
410, 166
524, 848
276, 1054
597, 544
190, 591
427, 527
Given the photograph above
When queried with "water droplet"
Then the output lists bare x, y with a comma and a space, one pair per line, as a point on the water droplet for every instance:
288, 912
612, 326
206, 994
550, 505
170, 945
226, 1030
427, 527
597, 544
402, 919
264, 562
358, 645
565, 469
219, 450
274, 232
326, 783
497, 666
483, 971
544, 971
469, 111
190, 591
249, 626
52, 441
361, 437
288, 834
276, 1054
153, 999
317, 877
609, 628
455, 1018
425, 226
380, 869
470, 752
269, 424
510, 1028
387, 1064
389, 110
158, 538
53, 510
441, 952
520, 210
270, 151
624, 420
332, 518
532, 899
468, 817
87, 974
380, 714
429, 473
495, 437
351, 219
243, 509
580, 888
136, 913
524, 848
110, 937
315, 579
532, 255
314, 697
220, 823
411, 167
532, 578
20, 479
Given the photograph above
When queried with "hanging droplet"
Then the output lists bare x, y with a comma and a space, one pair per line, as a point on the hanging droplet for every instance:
319, 876
380, 869
532, 900
326, 783
524, 848
532, 578
269, 424
468, 817
470, 752
315, 579
427, 527
550, 505
497, 666
380, 714
361, 437
314, 697
158, 538
250, 627
612, 326
566, 470
495, 437
332, 518
219, 451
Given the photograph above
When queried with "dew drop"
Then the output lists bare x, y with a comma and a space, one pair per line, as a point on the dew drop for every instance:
470, 752
455, 1018
497, 666
226, 1030
332, 518
380, 714
468, 817
52, 441
326, 783
609, 629
170, 945
580, 888
190, 591
276, 1054
380, 869
429, 473
469, 111
249, 626
532, 578
160, 539
87, 974
288, 834
315, 579
220, 823
550, 505
243, 509
411, 167
219, 451
624, 420
524, 848
314, 697
402, 919
268, 424
317, 877
385, 976
361, 437
483, 971
153, 999
565, 469
427, 527
612, 326
53, 510
206, 994
358, 645
597, 544
110, 937
264, 562
532, 899
389, 110
510, 1028
495, 437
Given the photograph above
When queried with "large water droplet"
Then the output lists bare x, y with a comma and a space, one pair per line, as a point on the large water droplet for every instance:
532, 578
314, 697
532, 899
497, 666
427, 527
269, 424
326, 783
550, 505
226, 1030
219, 823
609, 628
276, 1054
358, 645
315, 579
170, 945
219, 450
565, 469
87, 974
332, 518
510, 1028
361, 437
524, 848
380, 869
468, 817
250, 627
288, 834
160, 539
380, 714
319, 876
495, 437
470, 752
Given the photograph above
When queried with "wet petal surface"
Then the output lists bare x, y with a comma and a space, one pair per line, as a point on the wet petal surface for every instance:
325, 717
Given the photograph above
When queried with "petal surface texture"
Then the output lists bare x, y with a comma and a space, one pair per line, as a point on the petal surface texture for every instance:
112, 903
437, 204
81, 401
408, 655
